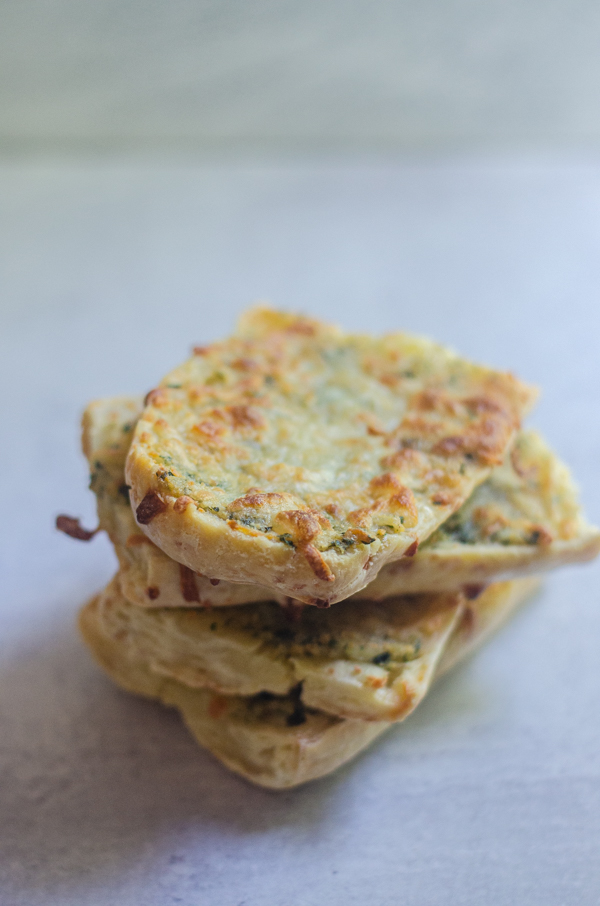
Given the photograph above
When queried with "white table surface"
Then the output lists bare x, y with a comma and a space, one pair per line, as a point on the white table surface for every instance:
490, 792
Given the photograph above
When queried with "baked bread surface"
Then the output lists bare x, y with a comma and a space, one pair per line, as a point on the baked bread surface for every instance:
267, 739
371, 662
301, 458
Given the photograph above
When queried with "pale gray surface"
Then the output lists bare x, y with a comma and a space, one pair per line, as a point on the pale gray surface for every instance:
321, 74
490, 793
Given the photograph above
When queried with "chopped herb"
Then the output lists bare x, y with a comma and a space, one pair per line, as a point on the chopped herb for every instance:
284, 634
264, 697
213, 626
298, 715
217, 377
287, 539
124, 491
382, 658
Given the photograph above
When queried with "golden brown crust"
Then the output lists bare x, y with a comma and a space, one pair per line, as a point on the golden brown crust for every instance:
524, 519
271, 435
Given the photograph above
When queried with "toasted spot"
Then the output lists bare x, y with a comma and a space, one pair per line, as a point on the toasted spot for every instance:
253, 500
322, 604
490, 520
209, 429
152, 505
73, 528
422, 427
363, 516
300, 326
246, 417
412, 550
373, 424
479, 404
157, 397
402, 459
483, 444
540, 535
520, 465
385, 485
182, 503
439, 477
318, 565
302, 525
245, 364
218, 706
433, 400
153, 591
442, 498
187, 584
405, 502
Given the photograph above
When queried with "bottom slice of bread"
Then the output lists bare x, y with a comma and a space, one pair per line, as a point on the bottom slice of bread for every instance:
273, 740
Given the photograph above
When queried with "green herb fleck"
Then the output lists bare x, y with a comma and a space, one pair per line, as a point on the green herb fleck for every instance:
382, 658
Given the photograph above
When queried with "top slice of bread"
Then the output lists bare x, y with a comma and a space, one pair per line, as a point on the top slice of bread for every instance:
303, 459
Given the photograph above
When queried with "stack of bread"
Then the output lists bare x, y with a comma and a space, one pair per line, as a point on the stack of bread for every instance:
311, 526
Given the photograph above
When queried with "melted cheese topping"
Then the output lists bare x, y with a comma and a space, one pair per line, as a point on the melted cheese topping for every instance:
529, 500
322, 440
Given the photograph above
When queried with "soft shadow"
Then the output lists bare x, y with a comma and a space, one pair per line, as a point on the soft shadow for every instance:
92, 775
95, 779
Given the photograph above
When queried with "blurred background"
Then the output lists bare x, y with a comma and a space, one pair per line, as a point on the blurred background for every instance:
237, 78
429, 166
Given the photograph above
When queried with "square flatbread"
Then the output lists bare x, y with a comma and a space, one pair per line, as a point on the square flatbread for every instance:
303, 459
270, 740
524, 518
370, 661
